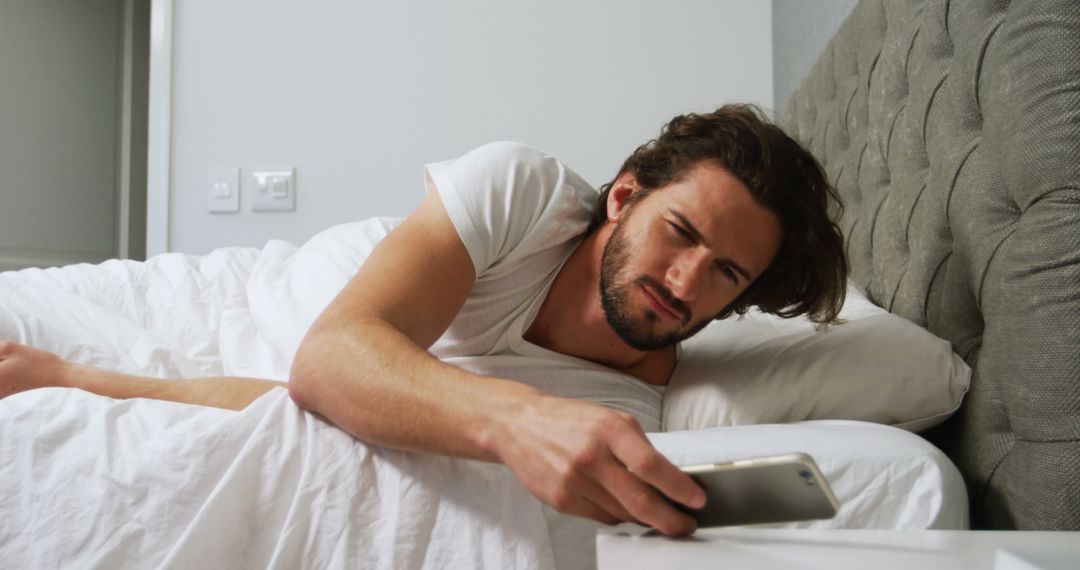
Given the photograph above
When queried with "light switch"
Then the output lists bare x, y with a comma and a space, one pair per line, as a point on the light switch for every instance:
275, 191
223, 190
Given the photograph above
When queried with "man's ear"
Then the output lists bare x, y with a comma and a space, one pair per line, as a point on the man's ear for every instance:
624, 187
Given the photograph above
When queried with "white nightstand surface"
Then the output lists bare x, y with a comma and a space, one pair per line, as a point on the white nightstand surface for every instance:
629, 547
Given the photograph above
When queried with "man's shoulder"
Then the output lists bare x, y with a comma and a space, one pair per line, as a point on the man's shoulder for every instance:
511, 169
509, 154
511, 148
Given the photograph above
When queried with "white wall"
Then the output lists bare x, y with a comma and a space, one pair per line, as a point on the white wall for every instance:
357, 96
801, 30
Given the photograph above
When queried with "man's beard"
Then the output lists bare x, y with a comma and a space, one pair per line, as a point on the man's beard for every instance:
615, 289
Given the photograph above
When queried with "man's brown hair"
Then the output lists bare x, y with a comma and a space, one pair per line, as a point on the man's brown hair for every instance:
809, 274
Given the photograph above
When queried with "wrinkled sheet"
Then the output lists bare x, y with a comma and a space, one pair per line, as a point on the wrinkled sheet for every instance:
87, 481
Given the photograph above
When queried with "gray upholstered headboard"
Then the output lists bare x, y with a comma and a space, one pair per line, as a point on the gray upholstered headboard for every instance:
952, 131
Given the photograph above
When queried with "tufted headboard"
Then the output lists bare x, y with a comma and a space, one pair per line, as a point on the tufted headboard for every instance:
952, 132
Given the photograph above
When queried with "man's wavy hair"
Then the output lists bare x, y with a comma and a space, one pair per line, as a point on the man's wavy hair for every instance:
809, 274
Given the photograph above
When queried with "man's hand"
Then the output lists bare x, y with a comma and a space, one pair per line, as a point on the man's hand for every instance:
594, 462
25, 368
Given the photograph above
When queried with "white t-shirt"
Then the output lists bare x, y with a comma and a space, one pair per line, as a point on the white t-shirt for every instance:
520, 214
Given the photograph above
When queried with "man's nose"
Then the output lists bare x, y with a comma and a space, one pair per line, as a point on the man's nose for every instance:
685, 274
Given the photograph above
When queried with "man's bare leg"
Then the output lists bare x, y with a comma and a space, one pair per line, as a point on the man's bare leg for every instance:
24, 368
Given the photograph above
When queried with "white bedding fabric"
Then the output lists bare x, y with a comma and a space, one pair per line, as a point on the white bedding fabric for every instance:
88, 482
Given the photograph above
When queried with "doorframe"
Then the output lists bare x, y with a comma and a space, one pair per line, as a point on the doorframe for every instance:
160, 128
129, 241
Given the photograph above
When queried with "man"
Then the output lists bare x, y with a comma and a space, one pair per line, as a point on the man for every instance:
507, 253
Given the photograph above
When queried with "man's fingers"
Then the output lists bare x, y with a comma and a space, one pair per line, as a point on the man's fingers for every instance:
596, 493
635, 452
583, 507
645, 504
602, 467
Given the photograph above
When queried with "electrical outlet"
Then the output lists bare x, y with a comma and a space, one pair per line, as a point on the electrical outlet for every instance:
275, 191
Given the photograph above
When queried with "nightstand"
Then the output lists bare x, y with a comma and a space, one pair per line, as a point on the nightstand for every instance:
631, 547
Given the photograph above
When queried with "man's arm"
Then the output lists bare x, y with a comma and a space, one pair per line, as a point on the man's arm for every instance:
26, 368
365, 367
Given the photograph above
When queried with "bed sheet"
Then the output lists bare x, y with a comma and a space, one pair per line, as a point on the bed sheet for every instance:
88, 481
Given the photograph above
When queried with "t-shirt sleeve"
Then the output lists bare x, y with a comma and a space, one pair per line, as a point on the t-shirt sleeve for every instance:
497, 195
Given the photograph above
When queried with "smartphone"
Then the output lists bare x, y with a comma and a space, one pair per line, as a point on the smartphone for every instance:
781, 488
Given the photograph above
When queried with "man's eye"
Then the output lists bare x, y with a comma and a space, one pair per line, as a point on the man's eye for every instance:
729, 273
681, 231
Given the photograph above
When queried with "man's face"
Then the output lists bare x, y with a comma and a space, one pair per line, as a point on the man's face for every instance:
680, 255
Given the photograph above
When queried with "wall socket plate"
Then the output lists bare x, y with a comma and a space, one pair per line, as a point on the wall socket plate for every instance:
275, 191
223, 189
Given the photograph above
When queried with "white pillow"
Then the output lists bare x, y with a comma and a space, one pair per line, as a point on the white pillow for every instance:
876, 367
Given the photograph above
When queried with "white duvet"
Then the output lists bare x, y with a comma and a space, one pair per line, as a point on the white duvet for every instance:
90, 482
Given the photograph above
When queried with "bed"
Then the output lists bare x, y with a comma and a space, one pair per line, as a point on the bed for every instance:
88, 481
